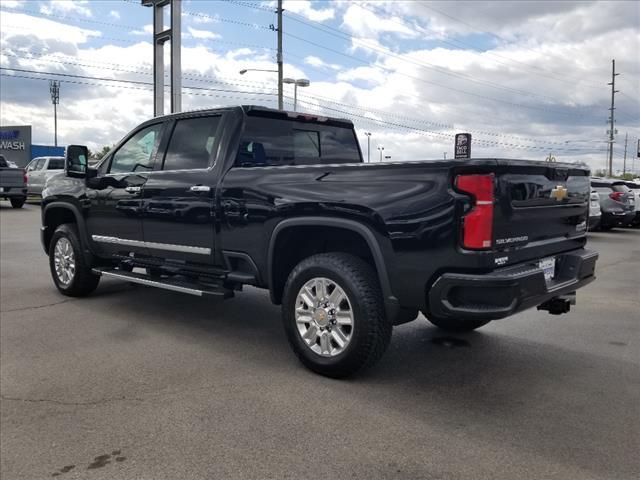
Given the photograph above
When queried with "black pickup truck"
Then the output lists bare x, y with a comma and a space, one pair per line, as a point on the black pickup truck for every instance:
206, 202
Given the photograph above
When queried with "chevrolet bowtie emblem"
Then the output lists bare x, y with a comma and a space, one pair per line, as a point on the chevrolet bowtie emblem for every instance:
559, 193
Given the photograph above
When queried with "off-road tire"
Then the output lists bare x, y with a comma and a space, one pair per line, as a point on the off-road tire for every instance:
455, 325
17, 202
372, 330
84, 280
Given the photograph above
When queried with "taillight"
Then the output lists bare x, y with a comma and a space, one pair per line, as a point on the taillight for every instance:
24, 177
477, 226
616, 196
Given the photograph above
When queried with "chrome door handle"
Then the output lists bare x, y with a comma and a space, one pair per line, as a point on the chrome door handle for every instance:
132, 189
200, 188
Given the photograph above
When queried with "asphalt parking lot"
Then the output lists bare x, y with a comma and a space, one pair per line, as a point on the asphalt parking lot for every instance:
139, 383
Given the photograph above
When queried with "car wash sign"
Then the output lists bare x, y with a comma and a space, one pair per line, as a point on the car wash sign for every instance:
15, 144
462, 146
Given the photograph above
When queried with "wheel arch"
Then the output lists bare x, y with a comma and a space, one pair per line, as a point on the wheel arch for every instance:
55, 214
362, 231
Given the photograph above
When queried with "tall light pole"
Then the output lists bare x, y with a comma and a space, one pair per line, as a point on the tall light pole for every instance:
54, 90
368, 134
300, 82
381, 149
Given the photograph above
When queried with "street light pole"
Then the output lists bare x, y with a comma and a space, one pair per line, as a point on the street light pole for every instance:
368, 134
300, 82
54, 90
381, 149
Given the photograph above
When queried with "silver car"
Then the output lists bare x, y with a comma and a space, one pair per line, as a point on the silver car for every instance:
617, 203
39, 170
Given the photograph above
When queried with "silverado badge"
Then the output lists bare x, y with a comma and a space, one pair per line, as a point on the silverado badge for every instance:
559, 193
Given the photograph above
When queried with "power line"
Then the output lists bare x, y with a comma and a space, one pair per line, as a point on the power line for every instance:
81, 82
209, 79
444, 135
216, 80
146, 86
135, 82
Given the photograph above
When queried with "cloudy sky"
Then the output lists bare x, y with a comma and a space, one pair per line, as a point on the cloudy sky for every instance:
525, 78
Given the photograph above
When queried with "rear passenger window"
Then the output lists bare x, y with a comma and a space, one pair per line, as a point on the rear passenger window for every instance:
191, 144
270, 141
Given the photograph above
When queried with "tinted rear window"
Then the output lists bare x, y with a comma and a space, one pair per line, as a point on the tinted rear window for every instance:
268, 141
56, 164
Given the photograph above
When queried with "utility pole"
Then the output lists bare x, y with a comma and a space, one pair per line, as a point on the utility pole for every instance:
611, 117
54, 90
280, 74
624, 162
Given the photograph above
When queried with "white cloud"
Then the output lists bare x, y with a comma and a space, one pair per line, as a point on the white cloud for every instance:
365, 23
66, 6
319, 63
115, 14
19, 24
13, 3
305, 8
202, 34
146, 30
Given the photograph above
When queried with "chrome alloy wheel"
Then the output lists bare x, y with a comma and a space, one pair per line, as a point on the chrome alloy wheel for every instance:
64, 261
324, 317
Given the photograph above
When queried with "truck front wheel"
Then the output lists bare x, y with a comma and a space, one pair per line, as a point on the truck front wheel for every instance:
333, 314
456, 325
70, 272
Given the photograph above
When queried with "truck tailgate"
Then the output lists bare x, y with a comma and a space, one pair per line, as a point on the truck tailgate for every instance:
539, 205
11, 178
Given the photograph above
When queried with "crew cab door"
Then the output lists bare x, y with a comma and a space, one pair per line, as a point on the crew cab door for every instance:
115, 195
178, 197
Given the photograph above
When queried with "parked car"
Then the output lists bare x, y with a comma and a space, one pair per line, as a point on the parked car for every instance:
616, 202
39, 170
212, 200
12, 183
595, 214
634, 187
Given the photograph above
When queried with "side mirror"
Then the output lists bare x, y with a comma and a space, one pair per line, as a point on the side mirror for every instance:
76, 160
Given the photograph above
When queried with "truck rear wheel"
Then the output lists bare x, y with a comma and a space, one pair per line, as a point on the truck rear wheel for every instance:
333, 314
17, 202
456, 325
70, 272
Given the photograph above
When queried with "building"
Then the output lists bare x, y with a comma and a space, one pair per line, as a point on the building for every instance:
16, 146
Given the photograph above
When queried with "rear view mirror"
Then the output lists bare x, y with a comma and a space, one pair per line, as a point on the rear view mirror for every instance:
75, 161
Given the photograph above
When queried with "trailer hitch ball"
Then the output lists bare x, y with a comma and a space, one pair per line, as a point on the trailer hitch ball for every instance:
559, 305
